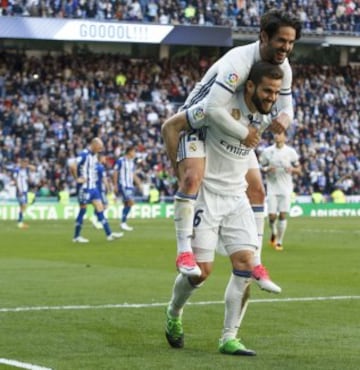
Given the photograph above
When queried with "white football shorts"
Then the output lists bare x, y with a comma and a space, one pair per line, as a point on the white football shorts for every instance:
192, 142
191, 146
278, 203
222, 220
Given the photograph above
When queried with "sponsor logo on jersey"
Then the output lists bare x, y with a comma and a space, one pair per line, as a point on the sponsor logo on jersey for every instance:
198, 114
232, 79
236, 114
240, 151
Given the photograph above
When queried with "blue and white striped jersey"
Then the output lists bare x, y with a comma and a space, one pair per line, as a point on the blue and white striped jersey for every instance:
100, 169
87, 168
21, 176
126, 168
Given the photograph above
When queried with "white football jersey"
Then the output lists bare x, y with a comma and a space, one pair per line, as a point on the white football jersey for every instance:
227, 159
280, 181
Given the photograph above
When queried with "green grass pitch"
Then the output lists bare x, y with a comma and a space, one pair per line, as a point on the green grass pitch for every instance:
100, 306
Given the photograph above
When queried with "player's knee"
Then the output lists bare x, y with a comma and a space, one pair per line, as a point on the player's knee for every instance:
242, 261
272, 217
192, 181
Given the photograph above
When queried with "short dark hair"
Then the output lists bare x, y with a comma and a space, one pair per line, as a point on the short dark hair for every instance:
272, 20
265, 69
129, 149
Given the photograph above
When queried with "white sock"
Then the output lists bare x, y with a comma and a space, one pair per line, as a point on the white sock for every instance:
282, 224
183, 218
233, 297
259, 219
272, 225
182, 290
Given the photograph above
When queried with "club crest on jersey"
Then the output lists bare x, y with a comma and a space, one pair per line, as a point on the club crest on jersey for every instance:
236, 114
198, 114
232, 79
192, 147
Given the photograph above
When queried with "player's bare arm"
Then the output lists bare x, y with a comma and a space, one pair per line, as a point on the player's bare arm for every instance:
138, 182
295, 170
115, 182
73, 171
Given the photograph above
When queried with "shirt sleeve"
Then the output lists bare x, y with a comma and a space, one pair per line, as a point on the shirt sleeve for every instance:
284, 103
228, 81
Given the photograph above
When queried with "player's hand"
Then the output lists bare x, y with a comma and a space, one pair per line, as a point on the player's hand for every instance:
253, 138
280, 123
80, 180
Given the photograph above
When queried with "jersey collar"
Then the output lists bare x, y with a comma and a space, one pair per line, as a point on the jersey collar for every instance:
245, 110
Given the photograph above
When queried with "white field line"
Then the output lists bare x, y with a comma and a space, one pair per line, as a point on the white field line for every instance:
330, 231
159, 304
22, 365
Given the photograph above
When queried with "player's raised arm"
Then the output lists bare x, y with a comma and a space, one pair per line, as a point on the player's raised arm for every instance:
285, 110
228, 80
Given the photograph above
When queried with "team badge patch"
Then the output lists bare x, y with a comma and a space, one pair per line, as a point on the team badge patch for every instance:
192, 147
235, 113
198, 114
232, 79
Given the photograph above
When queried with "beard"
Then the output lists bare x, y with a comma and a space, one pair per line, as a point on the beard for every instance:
259, 105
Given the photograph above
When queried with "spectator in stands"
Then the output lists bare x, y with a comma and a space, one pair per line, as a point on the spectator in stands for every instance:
317, 196
51, 118
338, 196
317, 16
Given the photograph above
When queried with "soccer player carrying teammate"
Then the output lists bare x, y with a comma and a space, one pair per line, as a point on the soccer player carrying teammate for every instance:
223, 213
21, 177
84, 170
124, 177
279, 163
278, 32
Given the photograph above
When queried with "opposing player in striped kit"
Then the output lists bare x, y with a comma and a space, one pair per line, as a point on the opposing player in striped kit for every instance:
21, 176
124, 180
84, 170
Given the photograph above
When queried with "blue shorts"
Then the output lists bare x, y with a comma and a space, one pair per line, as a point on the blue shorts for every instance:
22, 198
87, 196
126, 193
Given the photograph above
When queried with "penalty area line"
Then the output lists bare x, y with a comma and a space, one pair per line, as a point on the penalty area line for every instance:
22, 365
159, 304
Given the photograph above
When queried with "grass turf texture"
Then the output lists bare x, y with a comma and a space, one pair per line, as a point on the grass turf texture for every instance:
63, 292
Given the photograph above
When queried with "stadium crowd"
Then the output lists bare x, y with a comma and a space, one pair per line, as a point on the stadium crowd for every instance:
50, 108
317, 16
